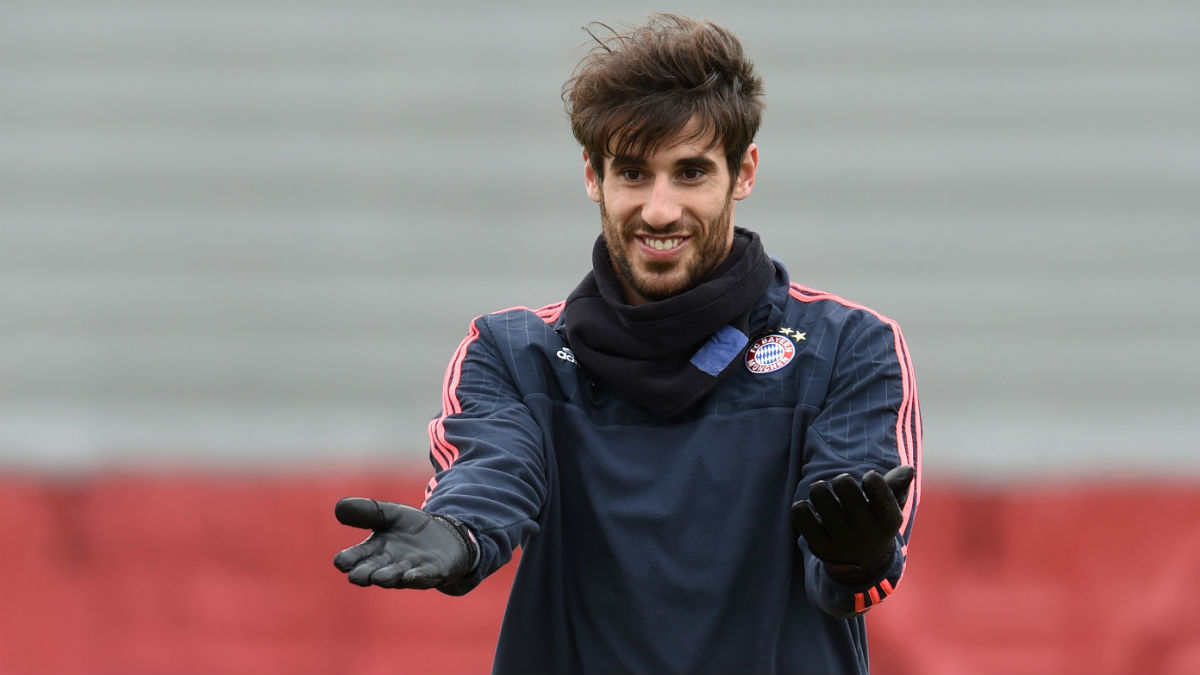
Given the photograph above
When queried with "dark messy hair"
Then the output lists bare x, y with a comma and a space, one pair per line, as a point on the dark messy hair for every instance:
637, 90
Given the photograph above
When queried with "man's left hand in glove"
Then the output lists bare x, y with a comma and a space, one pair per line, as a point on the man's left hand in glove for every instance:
852, 528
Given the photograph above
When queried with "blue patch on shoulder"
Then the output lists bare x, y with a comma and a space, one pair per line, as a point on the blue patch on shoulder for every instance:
721, 349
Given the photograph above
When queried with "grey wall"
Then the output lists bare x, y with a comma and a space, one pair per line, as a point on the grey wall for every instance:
255, 231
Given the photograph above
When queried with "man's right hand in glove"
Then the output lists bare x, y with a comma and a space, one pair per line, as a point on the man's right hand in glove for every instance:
408, 548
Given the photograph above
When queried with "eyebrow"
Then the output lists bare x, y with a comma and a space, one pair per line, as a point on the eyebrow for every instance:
697, 162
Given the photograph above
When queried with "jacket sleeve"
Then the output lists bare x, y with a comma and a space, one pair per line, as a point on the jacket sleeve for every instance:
871, 420
487, 453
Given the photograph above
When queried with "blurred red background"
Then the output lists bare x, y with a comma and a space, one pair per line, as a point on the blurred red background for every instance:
232, 573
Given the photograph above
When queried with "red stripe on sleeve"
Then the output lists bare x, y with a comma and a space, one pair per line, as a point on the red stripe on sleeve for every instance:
445, 453
908, 419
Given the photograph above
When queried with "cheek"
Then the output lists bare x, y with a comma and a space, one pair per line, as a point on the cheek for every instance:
719, 225
616, 210
713, 211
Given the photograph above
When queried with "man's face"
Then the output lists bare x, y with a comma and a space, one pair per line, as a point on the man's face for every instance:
668, 217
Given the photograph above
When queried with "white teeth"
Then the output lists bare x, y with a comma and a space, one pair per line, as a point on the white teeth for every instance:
663, 244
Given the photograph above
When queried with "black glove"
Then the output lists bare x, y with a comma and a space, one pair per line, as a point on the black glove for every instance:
852, 529
409, 548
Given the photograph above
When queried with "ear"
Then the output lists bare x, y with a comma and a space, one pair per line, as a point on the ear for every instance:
590, 179
747, 173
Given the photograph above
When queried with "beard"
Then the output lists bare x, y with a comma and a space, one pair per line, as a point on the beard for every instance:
709, 242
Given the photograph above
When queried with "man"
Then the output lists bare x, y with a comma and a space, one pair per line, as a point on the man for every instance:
709, 468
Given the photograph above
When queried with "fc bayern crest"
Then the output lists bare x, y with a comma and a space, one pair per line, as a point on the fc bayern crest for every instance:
769, 354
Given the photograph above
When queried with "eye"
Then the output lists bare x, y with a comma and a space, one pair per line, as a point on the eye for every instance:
692, 174
631, 174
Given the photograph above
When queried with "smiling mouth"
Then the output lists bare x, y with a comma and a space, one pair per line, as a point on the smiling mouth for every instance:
662, 244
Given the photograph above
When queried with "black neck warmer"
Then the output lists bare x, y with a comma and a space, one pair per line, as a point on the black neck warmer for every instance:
667, 355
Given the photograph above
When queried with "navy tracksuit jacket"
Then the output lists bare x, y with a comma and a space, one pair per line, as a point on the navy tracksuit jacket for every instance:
662, 547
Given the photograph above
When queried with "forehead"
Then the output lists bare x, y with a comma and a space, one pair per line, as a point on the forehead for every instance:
693, 140
678, 150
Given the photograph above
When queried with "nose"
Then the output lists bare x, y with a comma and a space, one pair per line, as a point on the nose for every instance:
662, 207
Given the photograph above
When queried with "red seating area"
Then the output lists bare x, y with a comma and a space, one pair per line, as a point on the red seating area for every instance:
232, 573
1077, 579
